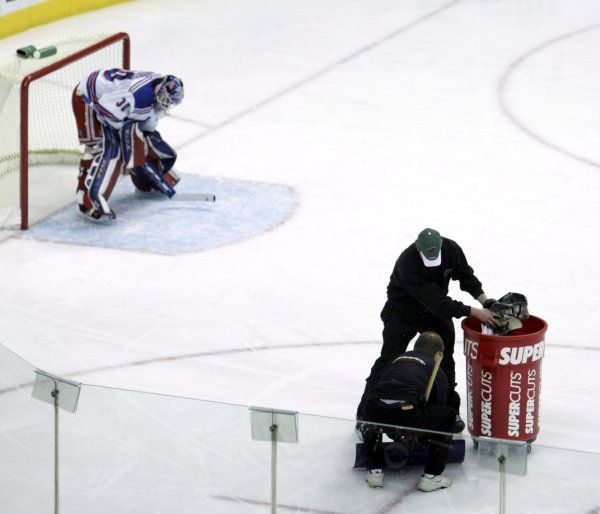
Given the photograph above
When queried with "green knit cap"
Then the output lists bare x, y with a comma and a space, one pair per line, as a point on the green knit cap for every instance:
430, 243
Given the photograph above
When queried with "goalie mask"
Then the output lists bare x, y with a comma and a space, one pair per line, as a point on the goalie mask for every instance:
518, 302
509, 311
168, 92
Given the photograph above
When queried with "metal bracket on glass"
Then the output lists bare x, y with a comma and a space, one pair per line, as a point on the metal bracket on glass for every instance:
56, 391
62, 394
275, 426
509, 455
504, 456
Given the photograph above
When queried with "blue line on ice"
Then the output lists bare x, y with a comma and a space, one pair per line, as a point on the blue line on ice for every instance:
153, 223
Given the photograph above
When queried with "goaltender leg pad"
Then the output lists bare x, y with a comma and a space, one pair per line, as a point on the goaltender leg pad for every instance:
89, 129
398, 454
159, 150
140, 181
133, 144
83, 199
104, 172
170, 177
143, 183
156, 173
148, 173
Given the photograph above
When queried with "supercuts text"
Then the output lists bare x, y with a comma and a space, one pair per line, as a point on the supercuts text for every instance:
521, 354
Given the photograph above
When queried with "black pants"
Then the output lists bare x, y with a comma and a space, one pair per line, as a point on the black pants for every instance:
398, 329
435, 417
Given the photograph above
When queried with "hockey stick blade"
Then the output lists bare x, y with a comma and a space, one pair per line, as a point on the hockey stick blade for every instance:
194, 197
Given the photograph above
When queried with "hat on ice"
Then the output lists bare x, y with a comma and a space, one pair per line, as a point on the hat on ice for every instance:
429, 242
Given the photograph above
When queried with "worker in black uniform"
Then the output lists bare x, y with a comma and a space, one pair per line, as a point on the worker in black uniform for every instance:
399, 398
418, 301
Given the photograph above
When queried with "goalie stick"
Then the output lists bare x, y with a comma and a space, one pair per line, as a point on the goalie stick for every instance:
194, 197
438, 360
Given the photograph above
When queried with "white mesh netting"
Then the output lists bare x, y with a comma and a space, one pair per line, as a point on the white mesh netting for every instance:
53, 146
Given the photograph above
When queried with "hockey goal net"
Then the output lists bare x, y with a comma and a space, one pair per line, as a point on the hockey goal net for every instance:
39, 149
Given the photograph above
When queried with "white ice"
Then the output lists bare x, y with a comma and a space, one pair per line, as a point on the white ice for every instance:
478, 118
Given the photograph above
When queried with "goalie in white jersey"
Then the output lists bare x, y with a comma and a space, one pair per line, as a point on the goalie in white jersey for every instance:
116, 113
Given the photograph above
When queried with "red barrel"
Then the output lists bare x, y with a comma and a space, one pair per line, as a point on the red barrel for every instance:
504, 378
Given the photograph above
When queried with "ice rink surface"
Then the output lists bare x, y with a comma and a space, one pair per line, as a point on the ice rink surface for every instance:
478, 118
191, 222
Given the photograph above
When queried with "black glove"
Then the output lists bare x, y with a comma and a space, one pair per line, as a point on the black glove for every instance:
488, 303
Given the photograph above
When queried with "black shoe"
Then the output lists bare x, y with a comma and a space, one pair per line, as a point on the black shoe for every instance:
459, 425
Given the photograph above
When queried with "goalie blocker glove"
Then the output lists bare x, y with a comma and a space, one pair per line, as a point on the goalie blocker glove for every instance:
489, 302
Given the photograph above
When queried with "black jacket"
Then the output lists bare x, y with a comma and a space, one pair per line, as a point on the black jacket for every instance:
406, 378
414, 288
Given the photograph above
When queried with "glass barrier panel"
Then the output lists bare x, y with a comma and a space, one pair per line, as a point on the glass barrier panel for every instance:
126, 451
26, 441
558, 480
317, 475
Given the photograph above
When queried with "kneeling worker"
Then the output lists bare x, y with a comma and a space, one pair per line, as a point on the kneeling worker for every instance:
400, 398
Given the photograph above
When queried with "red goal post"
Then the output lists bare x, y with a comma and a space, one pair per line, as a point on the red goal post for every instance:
47, 135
